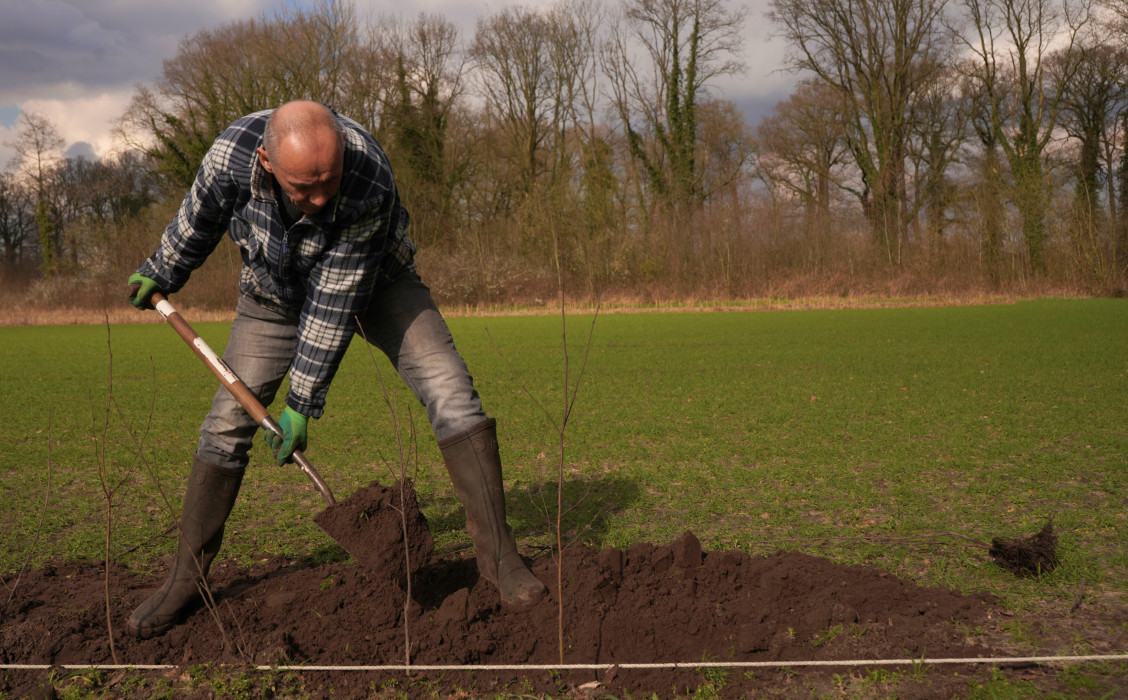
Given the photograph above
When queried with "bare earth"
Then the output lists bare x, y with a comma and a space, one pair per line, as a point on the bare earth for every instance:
648, 603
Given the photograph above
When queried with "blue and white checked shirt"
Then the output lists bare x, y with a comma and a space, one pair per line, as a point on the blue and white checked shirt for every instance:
326, 265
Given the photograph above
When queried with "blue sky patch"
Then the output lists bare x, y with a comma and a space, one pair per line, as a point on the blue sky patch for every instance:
8, 115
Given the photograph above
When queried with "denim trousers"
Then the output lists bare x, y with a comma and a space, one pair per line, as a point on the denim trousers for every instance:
401, 320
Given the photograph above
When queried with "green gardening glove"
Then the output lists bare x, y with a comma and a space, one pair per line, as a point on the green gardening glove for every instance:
141, 290
294, 436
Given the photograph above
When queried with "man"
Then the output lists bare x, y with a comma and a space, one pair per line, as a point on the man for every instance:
309, 198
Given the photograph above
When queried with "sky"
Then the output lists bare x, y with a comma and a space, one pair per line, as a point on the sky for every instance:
78, 62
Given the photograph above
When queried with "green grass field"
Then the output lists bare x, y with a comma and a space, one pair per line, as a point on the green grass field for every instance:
826, 431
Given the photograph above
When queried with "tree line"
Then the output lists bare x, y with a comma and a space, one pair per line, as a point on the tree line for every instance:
930, 146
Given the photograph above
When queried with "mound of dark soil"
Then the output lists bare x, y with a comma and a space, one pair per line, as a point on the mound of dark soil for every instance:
648, 603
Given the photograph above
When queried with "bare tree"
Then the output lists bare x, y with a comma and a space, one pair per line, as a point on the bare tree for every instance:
574, 30
515, 74
1120, 238
879, 54
1091, 102
939, 130
578, 34
725, 148
17, 221
429, 83
661, 58
309, 53
78, 200
1011, 42
90, 194
37, 145
1117, 26
802, 146
584, 157
988, 174
219, 75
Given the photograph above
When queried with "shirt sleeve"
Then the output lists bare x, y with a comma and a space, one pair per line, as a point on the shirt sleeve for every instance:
198, 225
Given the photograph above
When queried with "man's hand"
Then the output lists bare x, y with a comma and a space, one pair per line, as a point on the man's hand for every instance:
294, 436
141, 290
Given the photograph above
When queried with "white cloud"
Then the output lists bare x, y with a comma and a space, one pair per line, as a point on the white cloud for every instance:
88, 119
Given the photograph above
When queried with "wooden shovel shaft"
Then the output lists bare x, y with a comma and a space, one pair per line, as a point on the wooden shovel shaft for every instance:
234, 385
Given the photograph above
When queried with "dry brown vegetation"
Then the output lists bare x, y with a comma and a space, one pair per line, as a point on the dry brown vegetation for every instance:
750, 257
630, 179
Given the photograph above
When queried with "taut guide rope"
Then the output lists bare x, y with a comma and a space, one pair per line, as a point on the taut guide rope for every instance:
605, 666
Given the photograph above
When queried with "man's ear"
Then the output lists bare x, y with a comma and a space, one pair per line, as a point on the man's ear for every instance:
265, 159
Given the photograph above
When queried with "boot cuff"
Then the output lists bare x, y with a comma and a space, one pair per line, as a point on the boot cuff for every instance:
202, 469
487, 424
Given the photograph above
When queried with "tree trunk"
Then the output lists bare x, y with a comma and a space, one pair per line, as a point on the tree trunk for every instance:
991, 203
1031, 201
46, 229
1121, 233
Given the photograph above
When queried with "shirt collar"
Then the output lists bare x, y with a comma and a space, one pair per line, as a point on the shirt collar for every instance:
260, 180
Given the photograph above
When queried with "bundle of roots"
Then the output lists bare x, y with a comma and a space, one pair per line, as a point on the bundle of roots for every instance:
1027, 556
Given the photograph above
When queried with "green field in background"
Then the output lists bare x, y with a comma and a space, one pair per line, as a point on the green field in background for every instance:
825, 431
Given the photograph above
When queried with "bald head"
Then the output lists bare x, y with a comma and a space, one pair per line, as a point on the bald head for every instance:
299, 120
303, 147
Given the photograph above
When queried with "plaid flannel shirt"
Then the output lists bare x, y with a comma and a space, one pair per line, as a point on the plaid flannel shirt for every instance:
326, 265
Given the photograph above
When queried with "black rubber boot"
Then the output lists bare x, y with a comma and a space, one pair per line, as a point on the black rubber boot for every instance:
211, 495
474, 464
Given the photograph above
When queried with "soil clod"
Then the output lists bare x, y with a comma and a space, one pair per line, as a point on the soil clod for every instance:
372, 523
1027, 556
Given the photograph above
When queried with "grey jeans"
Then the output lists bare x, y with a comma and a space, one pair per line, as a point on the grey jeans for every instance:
401, 320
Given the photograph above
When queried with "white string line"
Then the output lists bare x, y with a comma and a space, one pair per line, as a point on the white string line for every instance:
604, 666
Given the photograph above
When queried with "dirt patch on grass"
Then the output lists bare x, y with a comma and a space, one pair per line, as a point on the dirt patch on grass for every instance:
648, 603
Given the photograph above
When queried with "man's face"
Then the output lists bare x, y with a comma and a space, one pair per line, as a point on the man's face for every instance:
308, 170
